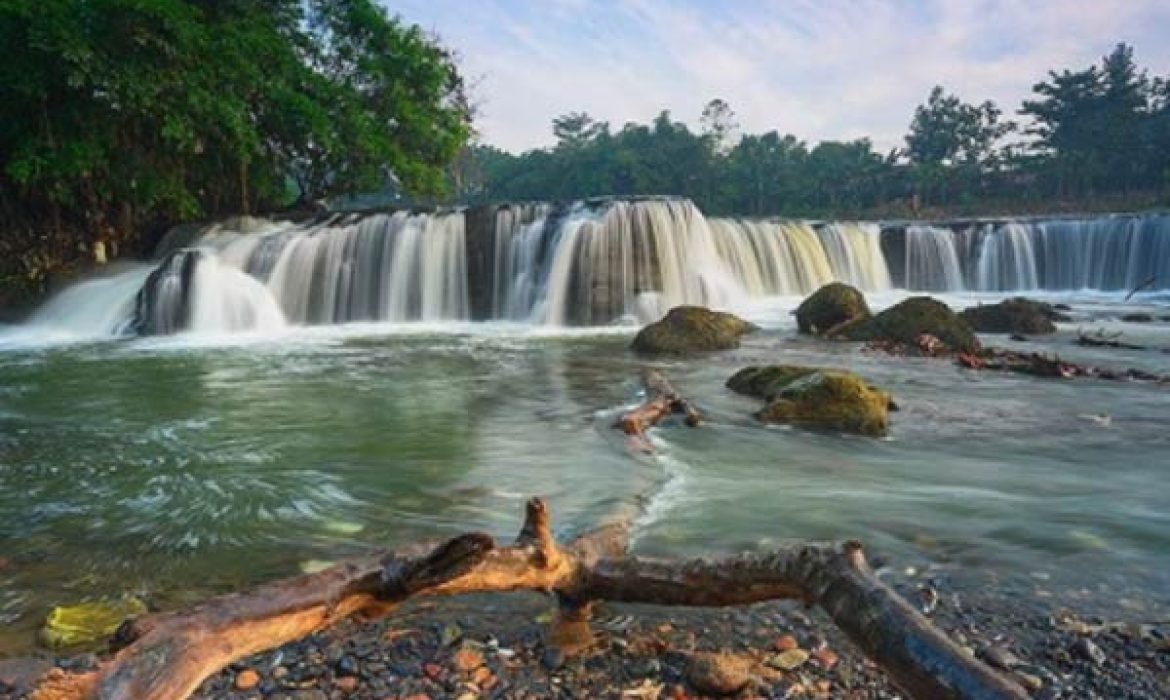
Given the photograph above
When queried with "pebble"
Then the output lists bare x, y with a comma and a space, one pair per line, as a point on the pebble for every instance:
247, 679
719, 674
785, 643
1000, 658
826, 657
789, 660
552, 658
1088, 650
467, 660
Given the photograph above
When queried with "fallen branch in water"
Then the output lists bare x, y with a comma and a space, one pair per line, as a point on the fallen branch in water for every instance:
166, 656
1102, 340
1040, 365
662, 400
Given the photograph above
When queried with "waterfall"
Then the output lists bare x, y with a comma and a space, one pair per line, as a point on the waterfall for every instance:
191, 290
1105, 253
581, 263
855, 254
593, 262
1007, 260
932, 259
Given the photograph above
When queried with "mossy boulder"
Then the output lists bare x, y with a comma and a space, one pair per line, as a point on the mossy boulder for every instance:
906, 321
687, 329
817, 398
1017, 315
87, 623
829, 307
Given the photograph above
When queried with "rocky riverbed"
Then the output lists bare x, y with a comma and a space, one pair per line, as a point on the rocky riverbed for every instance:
495, 647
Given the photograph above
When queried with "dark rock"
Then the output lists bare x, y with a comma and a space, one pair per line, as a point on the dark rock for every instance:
552, 658
1138, 318
829, 307
1086, 649
830, 399
692, 328
904, 322
1017, 315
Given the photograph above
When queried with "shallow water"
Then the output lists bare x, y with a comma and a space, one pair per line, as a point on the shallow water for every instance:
176, 467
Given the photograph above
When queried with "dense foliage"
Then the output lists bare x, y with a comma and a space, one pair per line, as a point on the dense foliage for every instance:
117, 116
1100, 132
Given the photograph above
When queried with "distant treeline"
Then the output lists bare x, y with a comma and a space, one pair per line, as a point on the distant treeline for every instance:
1101, 134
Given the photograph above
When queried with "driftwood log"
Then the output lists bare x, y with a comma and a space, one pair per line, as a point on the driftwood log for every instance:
662, 400
166, 656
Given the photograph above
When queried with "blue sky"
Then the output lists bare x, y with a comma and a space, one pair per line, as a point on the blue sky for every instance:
828, 69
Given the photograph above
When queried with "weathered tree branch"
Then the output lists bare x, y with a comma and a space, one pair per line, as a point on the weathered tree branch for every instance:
662, 400
166, 656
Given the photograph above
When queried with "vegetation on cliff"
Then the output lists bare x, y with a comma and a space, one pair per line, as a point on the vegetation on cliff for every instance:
119, 117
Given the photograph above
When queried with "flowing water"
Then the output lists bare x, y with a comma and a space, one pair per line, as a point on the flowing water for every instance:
328, 393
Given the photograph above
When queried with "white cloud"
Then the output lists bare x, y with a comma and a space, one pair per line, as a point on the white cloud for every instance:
820, 70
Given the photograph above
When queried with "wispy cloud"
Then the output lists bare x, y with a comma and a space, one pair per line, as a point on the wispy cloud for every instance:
828, 69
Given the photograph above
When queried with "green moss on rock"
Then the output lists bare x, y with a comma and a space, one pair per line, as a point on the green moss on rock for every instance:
87, 623
905, 321
688, 329
767, 382
818, 398
829, 307
1017, 315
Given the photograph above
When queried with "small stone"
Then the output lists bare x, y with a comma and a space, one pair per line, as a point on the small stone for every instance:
785, 643
1086, 649
1000, 658
247, 679
1032, 683
348, 666
482, 677
467, 696
467, 660
552, 658
718, 674
789, 660
433, 671
279, 672
347, 684
826, 657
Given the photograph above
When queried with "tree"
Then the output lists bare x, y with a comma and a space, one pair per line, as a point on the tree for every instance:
1089, 123
119, 116
575, 129
718, 126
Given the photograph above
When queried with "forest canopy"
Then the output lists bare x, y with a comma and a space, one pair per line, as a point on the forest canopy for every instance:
120, 115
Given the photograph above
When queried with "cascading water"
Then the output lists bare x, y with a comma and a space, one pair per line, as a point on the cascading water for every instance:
1007, 260
585, 263
1104, 253
932, 259
855, 254
595, 262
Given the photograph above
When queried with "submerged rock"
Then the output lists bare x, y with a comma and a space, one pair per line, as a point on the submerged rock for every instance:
829, 307
1138, 318
820, 398
71, 625
906, 321
691, 329
1016, 315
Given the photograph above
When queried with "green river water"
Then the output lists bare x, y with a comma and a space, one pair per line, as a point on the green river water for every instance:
175, 468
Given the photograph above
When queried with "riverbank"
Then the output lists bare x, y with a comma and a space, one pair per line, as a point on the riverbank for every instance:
1061, 643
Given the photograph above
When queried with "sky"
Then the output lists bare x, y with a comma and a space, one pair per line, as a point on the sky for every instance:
819, 69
